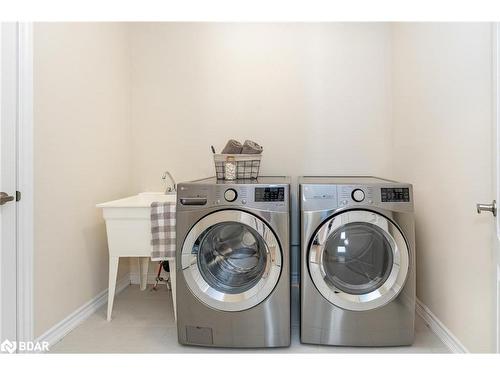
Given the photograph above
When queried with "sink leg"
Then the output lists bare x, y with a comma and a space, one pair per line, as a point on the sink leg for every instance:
113, 272
143, 271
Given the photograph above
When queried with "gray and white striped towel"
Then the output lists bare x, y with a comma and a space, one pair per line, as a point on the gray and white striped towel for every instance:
162, 230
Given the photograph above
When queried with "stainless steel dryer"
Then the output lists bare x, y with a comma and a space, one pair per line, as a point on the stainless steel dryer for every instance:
233, 277
358, 261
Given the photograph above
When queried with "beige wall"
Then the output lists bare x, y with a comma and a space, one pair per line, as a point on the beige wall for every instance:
82, 157
442, 144
316, 96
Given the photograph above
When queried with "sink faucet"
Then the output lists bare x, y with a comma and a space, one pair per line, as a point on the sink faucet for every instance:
170, 188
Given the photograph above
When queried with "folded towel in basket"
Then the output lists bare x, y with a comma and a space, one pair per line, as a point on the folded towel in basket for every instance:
232, 147
250, 147
162, 230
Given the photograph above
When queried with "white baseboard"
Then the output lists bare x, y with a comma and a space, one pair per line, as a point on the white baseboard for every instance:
441, 331
65, 326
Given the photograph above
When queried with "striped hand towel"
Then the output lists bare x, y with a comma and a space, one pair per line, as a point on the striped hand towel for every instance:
162, 230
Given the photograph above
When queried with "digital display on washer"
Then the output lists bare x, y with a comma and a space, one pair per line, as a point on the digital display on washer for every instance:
269, 194
395, 194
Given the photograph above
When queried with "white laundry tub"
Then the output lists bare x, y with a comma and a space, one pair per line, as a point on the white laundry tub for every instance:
128, 227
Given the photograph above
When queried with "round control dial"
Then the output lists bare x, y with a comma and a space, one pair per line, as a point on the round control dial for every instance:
358, 195
230, 195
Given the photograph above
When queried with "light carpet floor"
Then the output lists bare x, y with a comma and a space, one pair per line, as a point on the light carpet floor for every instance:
143, 322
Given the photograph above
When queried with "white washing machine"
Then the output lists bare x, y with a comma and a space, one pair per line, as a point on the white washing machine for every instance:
357, 261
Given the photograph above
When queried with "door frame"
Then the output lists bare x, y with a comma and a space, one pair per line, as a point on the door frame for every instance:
25, 180
8, 160
19, 41
496, 172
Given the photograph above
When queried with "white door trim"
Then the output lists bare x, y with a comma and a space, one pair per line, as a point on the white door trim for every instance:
8, 169
496, 172
25, 177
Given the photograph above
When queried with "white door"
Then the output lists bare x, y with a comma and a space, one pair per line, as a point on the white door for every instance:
8, 183
231, 260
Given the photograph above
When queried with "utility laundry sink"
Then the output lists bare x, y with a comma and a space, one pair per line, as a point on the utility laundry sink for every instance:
140, 200
128, 226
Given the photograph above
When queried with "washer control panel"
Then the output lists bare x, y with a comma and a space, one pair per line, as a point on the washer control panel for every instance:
230, 195
358, 195
265, 197
269, 194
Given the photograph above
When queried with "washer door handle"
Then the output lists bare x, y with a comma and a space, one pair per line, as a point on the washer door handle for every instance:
487, 207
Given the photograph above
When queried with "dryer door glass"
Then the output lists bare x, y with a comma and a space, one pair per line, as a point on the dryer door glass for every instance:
231, 257
357, 258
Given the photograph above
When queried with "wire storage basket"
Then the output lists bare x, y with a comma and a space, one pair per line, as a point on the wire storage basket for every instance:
247, 165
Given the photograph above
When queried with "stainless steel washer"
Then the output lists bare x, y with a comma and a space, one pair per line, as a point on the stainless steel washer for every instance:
357, 261
233, 275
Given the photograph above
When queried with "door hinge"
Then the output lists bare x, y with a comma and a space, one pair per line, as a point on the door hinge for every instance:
18, 196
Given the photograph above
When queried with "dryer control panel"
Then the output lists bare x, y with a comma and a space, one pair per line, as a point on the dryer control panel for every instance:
352, 194
316, 197
395, 194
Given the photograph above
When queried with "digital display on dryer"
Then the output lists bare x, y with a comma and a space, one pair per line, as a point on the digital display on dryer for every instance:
270, 194
395, 194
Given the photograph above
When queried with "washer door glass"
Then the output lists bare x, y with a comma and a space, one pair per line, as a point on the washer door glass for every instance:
231, 260
232, 257
358, 258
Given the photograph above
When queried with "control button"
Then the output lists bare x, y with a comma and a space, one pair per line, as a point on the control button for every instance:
217, 201
243, 201
230, 195
358, 195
